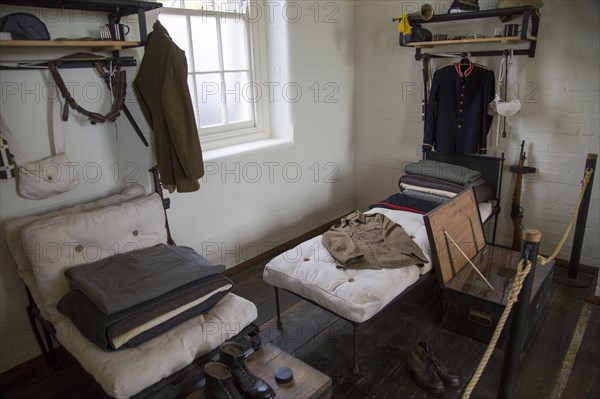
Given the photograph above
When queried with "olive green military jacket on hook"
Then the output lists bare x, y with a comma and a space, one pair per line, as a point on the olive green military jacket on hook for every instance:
164, 97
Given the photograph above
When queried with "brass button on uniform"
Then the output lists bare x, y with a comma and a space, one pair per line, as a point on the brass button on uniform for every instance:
79, 248
306, 259
350, 280
135, 233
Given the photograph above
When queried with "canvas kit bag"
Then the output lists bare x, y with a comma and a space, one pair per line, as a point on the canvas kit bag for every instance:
46, 177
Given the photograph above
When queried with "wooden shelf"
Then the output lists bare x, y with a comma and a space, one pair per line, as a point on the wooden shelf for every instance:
509, 40
529, 27
105, 45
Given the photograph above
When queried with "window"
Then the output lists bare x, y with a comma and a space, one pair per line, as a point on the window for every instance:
223, 44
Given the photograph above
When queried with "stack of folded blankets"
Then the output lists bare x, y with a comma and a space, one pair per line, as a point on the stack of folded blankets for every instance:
427, 184
126, 299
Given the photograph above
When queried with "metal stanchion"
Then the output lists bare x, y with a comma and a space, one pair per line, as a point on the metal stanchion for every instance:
514, 345
571, 277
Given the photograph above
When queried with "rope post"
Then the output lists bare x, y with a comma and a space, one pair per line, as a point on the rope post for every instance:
572, 278
514, 345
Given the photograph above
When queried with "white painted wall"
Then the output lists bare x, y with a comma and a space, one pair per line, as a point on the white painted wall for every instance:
559, 120
249, 201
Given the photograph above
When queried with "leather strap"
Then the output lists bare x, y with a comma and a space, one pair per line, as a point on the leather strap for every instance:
118, 86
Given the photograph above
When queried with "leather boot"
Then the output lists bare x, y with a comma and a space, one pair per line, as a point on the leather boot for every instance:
420, 366
232, 354
219, 382
450, 380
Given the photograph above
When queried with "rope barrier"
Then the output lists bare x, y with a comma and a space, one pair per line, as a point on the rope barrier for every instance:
584, 183
523, 270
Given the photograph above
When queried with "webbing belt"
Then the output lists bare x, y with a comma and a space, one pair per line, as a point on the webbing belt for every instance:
118, 87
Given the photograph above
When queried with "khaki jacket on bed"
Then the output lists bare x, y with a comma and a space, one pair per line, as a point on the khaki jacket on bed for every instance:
371, 242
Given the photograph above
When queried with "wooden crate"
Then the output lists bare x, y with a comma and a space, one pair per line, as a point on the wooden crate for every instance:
308, 382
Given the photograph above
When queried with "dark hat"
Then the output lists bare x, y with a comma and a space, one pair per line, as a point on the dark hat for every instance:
24, 26
463, 6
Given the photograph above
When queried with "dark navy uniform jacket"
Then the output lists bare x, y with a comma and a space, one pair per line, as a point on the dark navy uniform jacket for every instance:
457, 121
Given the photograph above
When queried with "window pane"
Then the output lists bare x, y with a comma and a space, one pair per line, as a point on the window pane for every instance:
216, 36
234, 34
177, 27
171, 3
210, 109
236, 6
200, 5
206, 43
239, 95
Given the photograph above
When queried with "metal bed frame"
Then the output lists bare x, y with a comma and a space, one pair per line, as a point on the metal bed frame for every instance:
491, 169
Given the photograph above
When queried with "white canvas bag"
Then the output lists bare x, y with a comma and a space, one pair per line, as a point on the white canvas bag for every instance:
49, 176
498, 106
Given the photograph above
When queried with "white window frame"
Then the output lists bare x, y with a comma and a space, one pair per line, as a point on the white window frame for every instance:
220, 136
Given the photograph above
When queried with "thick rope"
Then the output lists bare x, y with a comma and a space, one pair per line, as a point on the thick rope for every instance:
523, 270
584, 184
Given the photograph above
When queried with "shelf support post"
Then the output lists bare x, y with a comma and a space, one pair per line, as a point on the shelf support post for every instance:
142, 24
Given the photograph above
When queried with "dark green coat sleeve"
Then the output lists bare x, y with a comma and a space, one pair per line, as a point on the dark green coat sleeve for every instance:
180, 119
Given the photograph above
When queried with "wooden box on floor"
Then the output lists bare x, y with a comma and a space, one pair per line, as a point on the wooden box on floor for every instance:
469, 306
308, 383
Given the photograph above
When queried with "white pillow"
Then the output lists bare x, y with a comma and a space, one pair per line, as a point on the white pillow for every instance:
13, 230
56, 244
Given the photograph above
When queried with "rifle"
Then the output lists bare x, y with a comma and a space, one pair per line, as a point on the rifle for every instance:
516, 211
425, 86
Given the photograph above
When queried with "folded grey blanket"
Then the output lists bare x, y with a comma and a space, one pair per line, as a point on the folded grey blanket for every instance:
130, 327
125, 280
442, 171
430, 182
483, 192
437, 199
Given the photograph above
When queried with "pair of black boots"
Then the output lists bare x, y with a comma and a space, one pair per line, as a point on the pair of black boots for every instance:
230, 378
427, 371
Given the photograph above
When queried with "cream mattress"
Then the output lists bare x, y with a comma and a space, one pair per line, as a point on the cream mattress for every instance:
126, 372
357, 295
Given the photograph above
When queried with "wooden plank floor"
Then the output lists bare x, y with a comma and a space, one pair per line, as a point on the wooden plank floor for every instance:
324, 341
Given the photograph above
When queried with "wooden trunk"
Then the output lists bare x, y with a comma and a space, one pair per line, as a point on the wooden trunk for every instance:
470, 307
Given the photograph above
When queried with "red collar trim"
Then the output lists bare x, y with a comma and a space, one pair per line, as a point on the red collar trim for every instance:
467, 72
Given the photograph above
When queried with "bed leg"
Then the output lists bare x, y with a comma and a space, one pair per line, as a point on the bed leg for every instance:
51, 350
495, 227
38, 337
279, 323
355, 330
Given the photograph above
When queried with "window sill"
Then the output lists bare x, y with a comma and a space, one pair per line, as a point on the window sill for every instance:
219, 153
